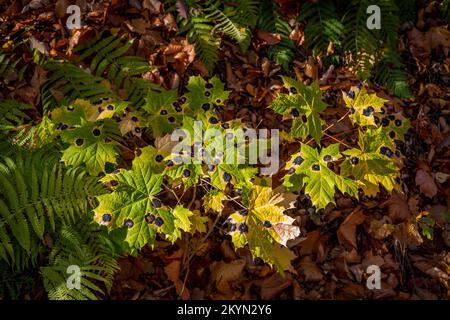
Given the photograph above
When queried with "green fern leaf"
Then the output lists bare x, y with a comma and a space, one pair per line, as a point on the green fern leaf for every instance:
322, 25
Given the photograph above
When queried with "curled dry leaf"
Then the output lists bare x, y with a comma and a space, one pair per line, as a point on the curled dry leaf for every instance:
380, 229
286, 231
426, 183
172, 271
273, 285
347, 230
310, 270
225, 273
182, 8
268, 37
398, 207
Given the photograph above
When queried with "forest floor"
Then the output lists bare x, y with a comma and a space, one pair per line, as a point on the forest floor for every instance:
336, 245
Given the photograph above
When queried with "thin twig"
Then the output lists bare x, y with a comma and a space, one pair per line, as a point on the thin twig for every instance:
337, 140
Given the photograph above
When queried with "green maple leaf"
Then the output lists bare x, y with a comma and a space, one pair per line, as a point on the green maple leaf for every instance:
303, 105
198, 222
134, 203
263, 226
91, 145
188, 167
150, 156
213, 200
394, 125
182, 222
372, 167
320, 182
361, 113
189, 174
82, 110
164, 110
241, 176
202, 92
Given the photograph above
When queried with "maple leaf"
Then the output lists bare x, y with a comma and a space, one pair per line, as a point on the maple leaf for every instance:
134, 204
74, 113
91, 145
394, 125
311, 168
203, 92
303, 105
213, 200
198, 222
263, 225
186, 165
372, 164
164, 110
363, 106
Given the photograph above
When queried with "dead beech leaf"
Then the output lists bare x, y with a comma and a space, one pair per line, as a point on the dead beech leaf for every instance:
61, 8
297, 36
273, 285
380, 229
138, 26
347, 230
311, 68
224, 273
426, 183
181, 53
154, 6
422, 43
172, 271
398, 207
310, 270
439, 36
229, 271
170, 25
309, 246
409, 234
268, 37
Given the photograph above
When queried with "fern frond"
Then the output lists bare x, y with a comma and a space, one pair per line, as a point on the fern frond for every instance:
108, 60
72, 83
244, 12
360, 41
200, 32
322, 25
270, 20
36, 193
223, 24
392, 75
80, 247
9, 66
12, 114
33, 137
